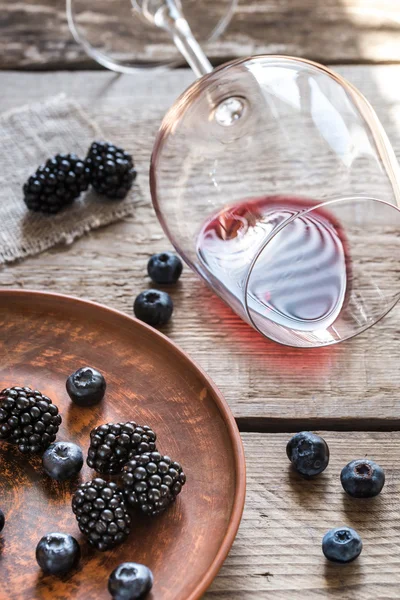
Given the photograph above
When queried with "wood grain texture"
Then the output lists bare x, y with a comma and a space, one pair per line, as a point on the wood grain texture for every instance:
277, 553
44, 339
35, 34
352, 385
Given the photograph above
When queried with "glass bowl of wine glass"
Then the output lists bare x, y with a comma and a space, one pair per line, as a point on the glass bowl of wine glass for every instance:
274, 179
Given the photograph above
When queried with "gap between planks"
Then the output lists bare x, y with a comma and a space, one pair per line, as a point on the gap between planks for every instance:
288, 425
90, 65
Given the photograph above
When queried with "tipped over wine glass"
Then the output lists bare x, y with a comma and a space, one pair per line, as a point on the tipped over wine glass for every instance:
274, 180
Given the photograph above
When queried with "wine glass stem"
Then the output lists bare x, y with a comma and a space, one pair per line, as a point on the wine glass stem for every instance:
172, 20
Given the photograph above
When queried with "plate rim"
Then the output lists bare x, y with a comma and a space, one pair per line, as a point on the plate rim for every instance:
226, 413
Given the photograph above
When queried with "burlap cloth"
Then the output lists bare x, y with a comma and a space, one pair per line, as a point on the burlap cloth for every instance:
28, 136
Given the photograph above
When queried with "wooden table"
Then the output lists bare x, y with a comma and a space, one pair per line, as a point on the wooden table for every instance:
349, 392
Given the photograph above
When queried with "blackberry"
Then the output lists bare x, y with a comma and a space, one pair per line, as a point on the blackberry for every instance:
112, 445
151, 482
28, 419
101, 513
56, 184
111, 169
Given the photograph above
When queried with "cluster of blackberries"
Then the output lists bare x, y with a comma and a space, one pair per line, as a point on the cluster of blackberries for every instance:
149, 482
362, 478
58, 182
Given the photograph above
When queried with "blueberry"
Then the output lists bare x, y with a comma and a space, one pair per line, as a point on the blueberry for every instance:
62, 460
153, 307
165, 267
308, 453
342, 544
2, 520
130, 581
86, 386
362, 478
57, 553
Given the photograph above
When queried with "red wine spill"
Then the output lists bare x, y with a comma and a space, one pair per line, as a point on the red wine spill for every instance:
300, 278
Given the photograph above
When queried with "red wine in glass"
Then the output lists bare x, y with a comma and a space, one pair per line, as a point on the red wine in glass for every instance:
301, 277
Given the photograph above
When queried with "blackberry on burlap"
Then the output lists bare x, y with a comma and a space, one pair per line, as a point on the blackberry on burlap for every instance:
152, 482
101, 513
28, 419
111, 169
112, 444
56, 184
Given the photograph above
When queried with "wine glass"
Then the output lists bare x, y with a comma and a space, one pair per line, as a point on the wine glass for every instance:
125, 35
275, 181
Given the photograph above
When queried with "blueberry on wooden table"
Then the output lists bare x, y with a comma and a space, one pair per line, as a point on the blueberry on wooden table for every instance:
164, 268
341, 545
308, 453
2, 520
153, 307
62, 460
57, 553
362, 478
130, 581
86, 386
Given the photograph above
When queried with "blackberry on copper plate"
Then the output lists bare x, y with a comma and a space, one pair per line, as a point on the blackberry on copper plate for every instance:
112, 444
152, 482
111, 169
28, 419
101, 513
56, 184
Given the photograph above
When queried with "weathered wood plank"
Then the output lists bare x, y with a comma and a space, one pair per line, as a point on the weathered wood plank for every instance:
354, 384
277, 553
34, 34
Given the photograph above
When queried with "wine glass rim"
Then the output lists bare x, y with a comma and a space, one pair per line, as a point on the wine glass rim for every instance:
281, 227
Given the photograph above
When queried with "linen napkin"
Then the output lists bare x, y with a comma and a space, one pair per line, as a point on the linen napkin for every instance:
29, 136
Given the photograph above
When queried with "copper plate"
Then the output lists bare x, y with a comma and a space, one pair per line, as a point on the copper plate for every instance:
44, 338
